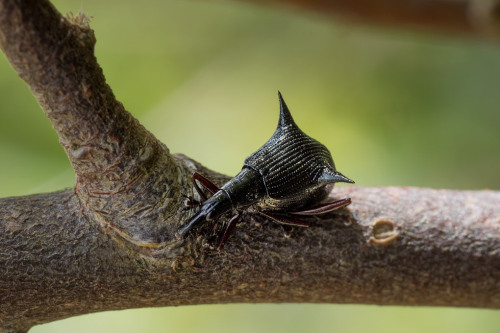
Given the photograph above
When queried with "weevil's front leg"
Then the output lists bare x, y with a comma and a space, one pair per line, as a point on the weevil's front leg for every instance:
229, 230
211, 187
207, 184
190, 201
285, 220
324, 208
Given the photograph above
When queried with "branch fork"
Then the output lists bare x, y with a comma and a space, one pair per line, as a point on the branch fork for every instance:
109, 243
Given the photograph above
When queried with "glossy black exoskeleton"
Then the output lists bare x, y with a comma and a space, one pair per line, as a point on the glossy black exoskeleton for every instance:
291, 174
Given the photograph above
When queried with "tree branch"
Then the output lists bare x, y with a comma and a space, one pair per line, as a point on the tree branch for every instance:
392, 246
122, 171
475, 18
109, 242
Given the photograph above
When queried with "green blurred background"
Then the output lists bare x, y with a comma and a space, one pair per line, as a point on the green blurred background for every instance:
395, 108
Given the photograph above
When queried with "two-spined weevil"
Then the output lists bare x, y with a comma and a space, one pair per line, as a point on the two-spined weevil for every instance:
289, 175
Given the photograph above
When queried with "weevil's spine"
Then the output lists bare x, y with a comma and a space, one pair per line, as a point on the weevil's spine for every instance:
290, 161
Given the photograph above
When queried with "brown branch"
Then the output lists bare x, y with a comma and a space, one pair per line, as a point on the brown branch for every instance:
109, 242
392, 246
117, 162
474, 18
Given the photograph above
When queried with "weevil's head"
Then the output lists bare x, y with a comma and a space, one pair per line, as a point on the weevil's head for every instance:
291, 162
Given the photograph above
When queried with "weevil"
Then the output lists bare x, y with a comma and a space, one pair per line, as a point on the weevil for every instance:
289, 176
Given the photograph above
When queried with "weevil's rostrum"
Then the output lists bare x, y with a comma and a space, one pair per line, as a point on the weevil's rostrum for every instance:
289, 175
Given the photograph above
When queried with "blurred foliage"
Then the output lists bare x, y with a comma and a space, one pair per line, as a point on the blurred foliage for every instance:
395, 108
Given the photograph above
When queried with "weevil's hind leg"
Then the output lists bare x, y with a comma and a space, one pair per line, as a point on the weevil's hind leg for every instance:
324, 208
211, 187
321, 209
285, 220
229, 230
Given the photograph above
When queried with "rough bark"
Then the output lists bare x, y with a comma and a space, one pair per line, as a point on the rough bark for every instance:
405, 246
109, 242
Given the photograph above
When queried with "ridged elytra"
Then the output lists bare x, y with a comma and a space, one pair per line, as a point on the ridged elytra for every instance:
290, 175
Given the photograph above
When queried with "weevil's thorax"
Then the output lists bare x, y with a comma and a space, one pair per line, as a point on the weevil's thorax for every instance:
245, 189
291, 165
295, 169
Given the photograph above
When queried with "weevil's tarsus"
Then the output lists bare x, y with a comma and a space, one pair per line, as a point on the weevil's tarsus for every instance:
287, 230
229, 230
190, 202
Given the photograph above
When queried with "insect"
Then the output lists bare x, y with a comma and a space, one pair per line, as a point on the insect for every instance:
289, 176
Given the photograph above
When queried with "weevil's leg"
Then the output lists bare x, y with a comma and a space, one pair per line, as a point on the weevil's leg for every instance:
195, 178
229, 230
211, 187
287, 230
190, 202
324, 208
285, 220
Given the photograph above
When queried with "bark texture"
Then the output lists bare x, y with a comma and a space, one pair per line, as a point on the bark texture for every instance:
405, 246
108, 243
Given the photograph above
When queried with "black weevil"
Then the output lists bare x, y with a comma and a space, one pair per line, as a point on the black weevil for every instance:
289, 175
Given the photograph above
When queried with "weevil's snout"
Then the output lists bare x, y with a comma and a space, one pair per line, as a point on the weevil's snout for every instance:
211, 209
333, 176
195, 221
